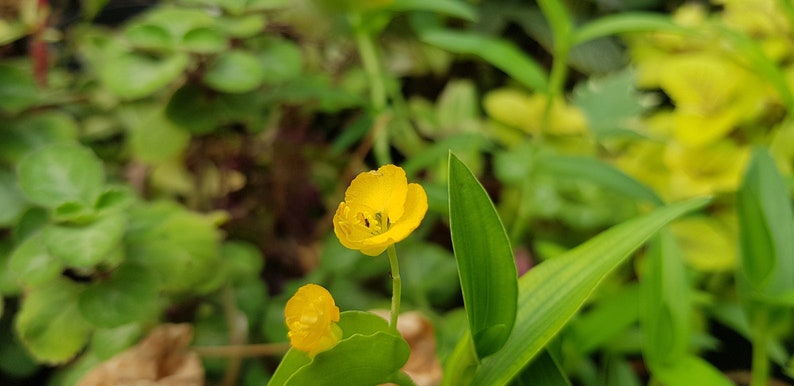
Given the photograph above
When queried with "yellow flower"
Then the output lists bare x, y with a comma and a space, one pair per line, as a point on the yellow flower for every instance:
380, 209
311, 316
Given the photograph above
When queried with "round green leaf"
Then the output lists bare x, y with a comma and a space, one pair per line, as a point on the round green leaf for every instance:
12, 202
60, 173
132, 75
34, 131
156, 139
149, 36
49, 323
130, 295
281, 61
234, 72
107, 342
243, 26
85, 245
32, 264
242, 260
205, 40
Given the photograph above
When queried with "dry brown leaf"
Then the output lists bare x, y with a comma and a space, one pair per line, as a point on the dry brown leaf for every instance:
162, 359
423, 366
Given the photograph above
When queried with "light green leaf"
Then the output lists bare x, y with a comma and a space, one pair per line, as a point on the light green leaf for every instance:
60, 173
32, 264
691, 370
129, 295
153, 138
552, 292
497, 52
611, 103
205, 40
132, 75
766, 223
107, 342
234, 72
34, 131
598, 172
347, 363
624, 22
281, 61
50, 325
149, 36
84, 246
611, 315
485, 260
242, 26
444, 7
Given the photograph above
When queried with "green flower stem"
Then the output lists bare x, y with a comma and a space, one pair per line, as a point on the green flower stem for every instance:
377, 87
396, 286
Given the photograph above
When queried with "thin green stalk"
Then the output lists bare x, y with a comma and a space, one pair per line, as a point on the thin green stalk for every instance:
396, 286
760, 370
377, 87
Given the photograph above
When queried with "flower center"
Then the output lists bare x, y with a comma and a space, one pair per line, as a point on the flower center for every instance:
373, 222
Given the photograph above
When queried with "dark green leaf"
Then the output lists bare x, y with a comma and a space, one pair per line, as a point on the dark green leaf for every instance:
18, 90
622, 23
129, 295
485, 260
544, 370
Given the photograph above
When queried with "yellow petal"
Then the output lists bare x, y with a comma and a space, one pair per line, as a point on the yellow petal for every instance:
382, 191
310, 316
415, 209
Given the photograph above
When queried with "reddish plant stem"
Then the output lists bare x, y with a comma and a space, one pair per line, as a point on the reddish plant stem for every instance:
38, 47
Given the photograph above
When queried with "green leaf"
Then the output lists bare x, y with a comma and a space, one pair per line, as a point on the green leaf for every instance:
281, 60
50, 325
32, 264
84, 246
691, 370
133, 75
598, 172
610, 316
611, 103
622, 23
18, 90
205, 40
12, 201
552, 292
485, 260
130, 295
34, 131
234, 72
107, 342
149, 36
60, 173
194, 108
665, 302
544, 370
455, 8
348, 363
497, 52
242, 26
243, 261
153, 138
766, 223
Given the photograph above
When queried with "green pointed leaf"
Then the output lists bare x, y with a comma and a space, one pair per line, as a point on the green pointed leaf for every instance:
443, 7
622, 23
85, 245
60, 173
50, 325
234, 72
544, 370
485, 260
665, 302
551, 293
499, 53
132, 75
598, 172
130, 295
32, 264
766, 223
